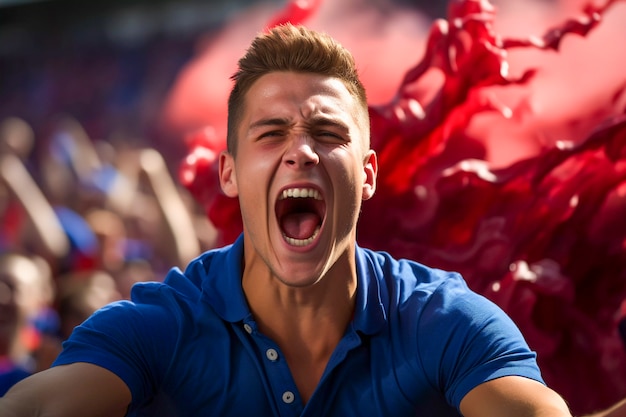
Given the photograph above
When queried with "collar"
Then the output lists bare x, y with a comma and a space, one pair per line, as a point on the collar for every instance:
222, 287
369, 312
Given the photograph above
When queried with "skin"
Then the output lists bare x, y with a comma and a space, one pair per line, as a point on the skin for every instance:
299, 130
513, 396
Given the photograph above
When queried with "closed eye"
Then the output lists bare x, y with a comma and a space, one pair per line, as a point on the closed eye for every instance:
272, 134
269, 128
327, 136
335, 135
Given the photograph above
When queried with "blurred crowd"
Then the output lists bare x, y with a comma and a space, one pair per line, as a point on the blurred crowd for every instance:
89, 201
82, 221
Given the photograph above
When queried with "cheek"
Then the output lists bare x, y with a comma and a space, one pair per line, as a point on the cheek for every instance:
346, 174
348, 190
251, 174
253, 179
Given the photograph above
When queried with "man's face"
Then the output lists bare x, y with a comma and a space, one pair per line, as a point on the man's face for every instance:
300, 173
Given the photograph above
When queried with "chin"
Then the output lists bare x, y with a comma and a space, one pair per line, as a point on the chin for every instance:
299, 276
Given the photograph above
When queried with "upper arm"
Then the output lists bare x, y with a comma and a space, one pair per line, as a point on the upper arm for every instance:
478, 343
74, 390
513, 396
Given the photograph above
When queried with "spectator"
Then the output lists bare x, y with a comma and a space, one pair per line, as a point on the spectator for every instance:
25, 292
80, 294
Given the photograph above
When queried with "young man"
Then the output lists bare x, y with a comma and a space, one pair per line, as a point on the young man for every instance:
295, 319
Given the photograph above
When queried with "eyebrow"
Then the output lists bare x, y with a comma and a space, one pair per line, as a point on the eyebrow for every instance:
325, 121
275, 121
316, 120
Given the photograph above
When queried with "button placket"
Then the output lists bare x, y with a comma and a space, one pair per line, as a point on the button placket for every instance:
288, 397
271, 354
278, 373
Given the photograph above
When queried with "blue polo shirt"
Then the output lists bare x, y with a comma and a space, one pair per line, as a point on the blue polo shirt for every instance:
419, 341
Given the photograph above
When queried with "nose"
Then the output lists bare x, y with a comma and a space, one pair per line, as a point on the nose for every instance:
301, 152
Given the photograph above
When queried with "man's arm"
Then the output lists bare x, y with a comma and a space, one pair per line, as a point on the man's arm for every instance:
513, 396
75, 390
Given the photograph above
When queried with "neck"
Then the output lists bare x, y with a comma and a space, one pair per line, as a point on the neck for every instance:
278, 307
308, 322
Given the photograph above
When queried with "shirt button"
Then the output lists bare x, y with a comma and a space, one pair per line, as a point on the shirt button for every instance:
247, 328
271, 354
288, 397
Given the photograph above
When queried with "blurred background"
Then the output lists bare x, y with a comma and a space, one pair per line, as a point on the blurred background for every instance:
520, 185
109, 64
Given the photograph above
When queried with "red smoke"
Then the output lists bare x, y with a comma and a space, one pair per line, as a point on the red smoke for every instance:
502, 143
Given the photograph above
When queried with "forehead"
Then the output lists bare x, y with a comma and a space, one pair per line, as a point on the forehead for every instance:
306, 94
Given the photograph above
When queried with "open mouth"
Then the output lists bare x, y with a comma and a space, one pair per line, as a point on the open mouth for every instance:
300, 213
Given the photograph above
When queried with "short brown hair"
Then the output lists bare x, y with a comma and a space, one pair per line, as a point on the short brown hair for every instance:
292, 48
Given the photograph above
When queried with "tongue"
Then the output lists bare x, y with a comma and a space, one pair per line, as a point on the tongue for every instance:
300, 225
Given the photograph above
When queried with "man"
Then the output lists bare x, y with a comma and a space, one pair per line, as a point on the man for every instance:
295, 319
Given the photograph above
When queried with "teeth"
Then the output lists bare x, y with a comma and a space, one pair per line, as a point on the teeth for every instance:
301, 242
301, 193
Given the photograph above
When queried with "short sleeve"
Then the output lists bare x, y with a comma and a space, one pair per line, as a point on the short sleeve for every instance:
469, 340
134, 340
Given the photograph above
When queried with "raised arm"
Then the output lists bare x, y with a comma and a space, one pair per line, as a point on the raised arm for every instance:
76, 390
513, 396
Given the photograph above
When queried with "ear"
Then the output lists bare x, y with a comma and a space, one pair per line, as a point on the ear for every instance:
228, 177
370, 170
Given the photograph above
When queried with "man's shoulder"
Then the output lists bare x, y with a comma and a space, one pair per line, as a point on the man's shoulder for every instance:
212, 258
403, 282
178, 286
225, 258
385, 265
